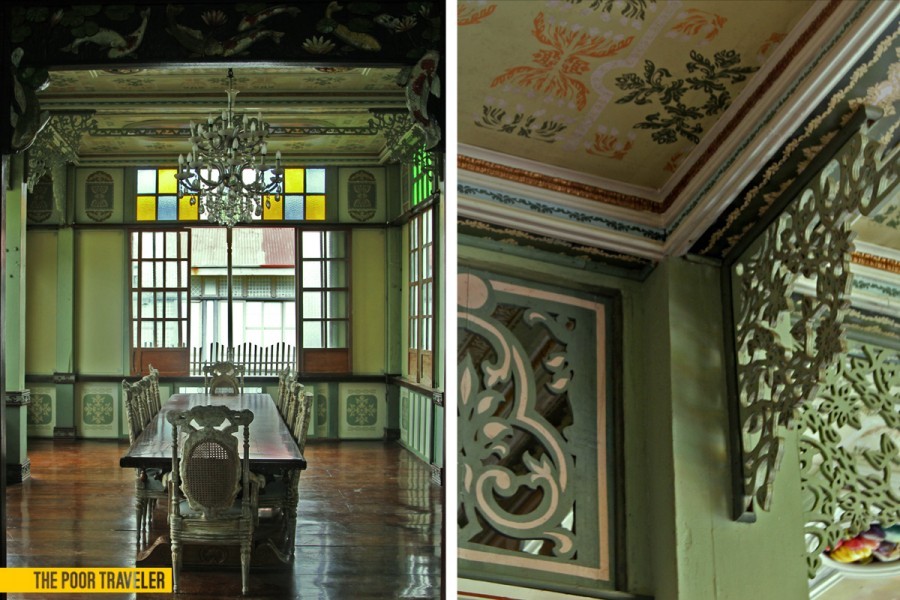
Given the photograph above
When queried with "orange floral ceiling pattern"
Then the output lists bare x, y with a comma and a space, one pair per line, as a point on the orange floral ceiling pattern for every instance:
609, 90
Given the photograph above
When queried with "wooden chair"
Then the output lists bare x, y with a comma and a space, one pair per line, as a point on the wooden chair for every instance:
285, 379
302, 418
207, 477
148, 485
292, 404
154, 403
224, 378
281, 493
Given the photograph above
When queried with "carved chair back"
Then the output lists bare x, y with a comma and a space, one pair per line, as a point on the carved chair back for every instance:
209, 472
132, 412
292, 406
302, 418
154, 401
141, 391
224, 378
285, 379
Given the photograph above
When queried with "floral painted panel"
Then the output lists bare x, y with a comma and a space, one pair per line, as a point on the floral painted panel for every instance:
320, 405
618, 89
42, 411
534, 494
97, 411
362, 411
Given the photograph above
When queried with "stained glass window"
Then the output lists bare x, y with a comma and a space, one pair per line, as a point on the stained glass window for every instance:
158, 199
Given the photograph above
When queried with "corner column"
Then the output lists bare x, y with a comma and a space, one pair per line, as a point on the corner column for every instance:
16, 397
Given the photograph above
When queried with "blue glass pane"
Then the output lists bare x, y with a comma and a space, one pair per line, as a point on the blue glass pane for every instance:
315, 181
146, 181
293, 208
167, 209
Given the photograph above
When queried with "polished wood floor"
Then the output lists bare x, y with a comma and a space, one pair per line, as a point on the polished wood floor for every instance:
369, 523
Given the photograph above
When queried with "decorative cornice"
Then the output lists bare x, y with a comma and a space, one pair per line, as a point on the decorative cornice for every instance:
750, 198
183, 132
18, 398
64, 378
556, 184
542, 209
527, 238
876, 262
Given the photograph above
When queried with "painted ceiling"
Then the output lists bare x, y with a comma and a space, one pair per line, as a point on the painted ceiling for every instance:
605, 91
645, 129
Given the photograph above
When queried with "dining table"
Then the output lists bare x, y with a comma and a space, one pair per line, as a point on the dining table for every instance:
272, 446
273, 450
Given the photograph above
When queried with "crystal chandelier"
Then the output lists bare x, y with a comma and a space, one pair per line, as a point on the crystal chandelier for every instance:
226, 170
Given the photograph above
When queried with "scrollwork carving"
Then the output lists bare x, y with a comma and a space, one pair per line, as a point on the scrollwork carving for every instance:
785, 345
488, 433
849, 460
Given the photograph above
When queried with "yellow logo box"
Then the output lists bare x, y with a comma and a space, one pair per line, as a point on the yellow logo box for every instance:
96, 580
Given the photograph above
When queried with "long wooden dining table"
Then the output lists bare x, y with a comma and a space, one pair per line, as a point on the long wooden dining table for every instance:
272, 450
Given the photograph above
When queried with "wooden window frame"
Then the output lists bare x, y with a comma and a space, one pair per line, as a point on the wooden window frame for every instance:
420, 359
330, 360
169, 360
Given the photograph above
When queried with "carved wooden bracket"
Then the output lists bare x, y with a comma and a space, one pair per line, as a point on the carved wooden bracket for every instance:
783, 344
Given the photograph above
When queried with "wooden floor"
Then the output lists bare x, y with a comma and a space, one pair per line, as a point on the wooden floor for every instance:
369, 523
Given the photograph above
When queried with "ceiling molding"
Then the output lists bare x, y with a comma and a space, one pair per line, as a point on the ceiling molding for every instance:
550, 202
547, 176
586, 233
877, 257
544, 181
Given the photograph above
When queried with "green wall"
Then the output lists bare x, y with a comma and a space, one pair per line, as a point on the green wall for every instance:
368, 302
100, 302
688, 462
40, 351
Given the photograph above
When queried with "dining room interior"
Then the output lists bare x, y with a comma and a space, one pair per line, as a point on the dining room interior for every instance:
679, 270
249, 191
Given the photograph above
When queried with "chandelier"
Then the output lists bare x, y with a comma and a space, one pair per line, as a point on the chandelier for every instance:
225, 171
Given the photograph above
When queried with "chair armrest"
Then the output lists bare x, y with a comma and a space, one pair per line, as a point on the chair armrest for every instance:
259, 479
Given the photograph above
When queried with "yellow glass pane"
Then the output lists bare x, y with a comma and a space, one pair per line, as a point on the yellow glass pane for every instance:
293, 181
187, 211
315, 208
274, 211
146, 208
167, 182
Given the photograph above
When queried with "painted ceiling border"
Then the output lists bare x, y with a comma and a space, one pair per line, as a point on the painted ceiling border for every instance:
500, 207
505, 234
290, 160
520, 198
568, 187
799, 53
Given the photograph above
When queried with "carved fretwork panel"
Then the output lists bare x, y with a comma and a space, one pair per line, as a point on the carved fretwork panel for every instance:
849, 459
532, 443
783, 344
